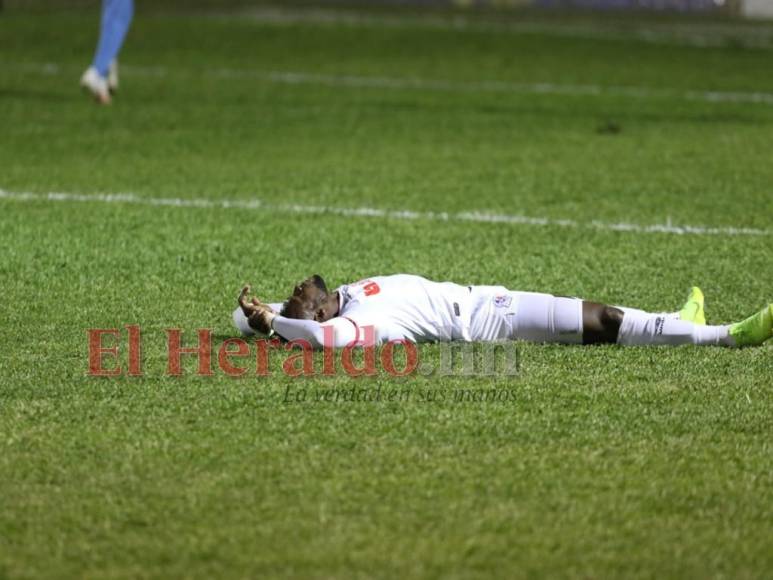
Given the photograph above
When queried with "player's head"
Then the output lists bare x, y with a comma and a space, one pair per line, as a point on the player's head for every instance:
311, 301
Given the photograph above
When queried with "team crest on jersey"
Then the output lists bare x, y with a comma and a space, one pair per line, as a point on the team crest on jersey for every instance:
503, 300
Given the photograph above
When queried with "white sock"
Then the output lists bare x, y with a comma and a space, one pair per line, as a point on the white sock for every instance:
642, 328
672, 315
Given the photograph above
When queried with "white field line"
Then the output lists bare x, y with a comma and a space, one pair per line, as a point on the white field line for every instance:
397, 83
370, 212
693, 34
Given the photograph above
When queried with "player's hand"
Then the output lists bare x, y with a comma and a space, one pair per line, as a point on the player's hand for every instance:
259, 315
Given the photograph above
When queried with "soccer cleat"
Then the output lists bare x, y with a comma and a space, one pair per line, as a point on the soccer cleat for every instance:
754, 330
112, 77
692, 311
96, 84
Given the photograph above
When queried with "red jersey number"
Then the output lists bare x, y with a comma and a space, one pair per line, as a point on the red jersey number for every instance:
369, 287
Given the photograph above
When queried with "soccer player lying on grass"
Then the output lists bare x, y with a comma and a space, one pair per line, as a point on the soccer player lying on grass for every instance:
405, 307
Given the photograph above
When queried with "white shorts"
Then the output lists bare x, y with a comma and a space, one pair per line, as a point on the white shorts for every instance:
501, 314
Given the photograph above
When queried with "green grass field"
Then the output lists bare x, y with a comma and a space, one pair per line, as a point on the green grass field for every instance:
608, 462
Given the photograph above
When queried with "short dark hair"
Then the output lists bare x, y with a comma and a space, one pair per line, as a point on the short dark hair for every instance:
319, 282
295, 307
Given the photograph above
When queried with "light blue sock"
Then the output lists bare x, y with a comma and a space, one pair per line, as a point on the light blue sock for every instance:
116, 18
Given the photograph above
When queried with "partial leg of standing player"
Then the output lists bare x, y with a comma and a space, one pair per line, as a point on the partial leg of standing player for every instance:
101, 78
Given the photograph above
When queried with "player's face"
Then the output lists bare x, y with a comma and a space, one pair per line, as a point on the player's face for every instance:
307, 297
312, 288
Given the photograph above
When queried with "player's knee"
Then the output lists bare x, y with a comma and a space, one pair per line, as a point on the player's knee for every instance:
601, 323
611, 318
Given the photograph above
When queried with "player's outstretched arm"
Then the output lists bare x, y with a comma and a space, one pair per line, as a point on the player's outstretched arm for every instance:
262, 318
341, 332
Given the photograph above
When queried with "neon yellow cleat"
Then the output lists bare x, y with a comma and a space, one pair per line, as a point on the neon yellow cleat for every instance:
692, 311
754, 330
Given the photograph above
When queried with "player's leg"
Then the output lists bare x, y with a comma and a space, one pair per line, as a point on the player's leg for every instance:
608, 324
116, 19
112, 77
547, 318
692, 311
101, 78
540, 317
602, 323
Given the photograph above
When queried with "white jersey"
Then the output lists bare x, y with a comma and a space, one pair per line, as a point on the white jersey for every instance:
407, 307
412, 308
